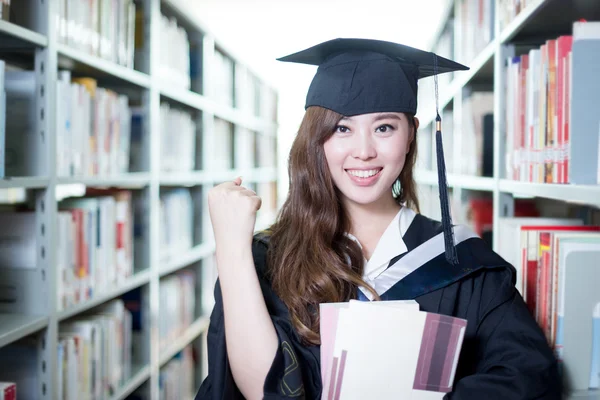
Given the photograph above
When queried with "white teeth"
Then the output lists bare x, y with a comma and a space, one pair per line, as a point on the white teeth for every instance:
363, 173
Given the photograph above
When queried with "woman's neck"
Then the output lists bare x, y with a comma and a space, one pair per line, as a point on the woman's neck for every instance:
369, 221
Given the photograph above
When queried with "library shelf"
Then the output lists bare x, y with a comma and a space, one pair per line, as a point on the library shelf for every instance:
196, 329
230, 114
456, 180
136, 280
140, 374
77, 60
580, 194
248, 175
16, 37
17, 326
193, 255
24, 182
134, 180
190, 178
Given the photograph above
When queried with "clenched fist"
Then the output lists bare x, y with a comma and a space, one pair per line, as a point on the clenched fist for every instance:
233, 210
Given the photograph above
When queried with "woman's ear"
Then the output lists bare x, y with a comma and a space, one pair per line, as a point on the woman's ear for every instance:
416, 123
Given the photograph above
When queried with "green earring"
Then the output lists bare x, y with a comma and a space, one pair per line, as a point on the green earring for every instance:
397, 188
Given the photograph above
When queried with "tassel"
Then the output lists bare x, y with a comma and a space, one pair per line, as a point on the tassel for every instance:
451, 255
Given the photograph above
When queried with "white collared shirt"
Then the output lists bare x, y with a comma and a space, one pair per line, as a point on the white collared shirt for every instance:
389, 246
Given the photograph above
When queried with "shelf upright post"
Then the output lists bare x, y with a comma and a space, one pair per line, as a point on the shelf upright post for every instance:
152, 104
44, 146
503, 202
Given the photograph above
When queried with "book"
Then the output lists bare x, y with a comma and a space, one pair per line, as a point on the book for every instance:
412, 354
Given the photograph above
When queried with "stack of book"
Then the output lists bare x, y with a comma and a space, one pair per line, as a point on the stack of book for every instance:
177, 222
412, 354
177, 377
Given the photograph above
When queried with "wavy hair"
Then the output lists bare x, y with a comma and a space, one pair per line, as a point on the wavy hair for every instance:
309, 254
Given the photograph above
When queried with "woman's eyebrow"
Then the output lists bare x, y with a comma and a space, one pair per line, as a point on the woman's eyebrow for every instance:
387, 116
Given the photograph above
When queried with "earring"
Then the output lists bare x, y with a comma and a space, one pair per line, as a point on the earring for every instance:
397, 188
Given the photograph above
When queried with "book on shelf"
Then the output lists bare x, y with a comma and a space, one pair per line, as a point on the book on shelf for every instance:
177, 222
94, 353
476, 28
94, 245
4, 12
8, 391
510, 9
101, 28
244, 148
557, 276
93, 128
553, 129
177, 306
223, 78
176, 380
174, 67
223, 154
19, 365
178, 139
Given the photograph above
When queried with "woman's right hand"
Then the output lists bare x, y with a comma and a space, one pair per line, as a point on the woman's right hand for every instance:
233, 210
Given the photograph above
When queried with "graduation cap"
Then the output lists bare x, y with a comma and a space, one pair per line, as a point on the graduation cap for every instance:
361, 76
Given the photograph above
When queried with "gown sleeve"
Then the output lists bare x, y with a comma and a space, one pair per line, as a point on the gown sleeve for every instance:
295, 371
509, 355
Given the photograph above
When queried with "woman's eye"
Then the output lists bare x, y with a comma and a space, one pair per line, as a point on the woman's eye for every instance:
385, 128
342, 129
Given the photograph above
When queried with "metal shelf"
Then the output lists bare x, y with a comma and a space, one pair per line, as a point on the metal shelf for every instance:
201, 103
135, 281
456, 180
17, 326
139, 376
13, 36
78, 60
135, 180
193, 255
24, 182
580, 194
191, 333
250, 175
194, 178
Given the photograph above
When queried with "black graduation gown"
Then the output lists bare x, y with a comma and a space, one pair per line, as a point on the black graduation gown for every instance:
504, 354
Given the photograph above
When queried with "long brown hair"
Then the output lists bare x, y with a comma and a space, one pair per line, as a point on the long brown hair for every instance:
309, 252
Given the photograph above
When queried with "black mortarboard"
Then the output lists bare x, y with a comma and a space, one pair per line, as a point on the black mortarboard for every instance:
361, 76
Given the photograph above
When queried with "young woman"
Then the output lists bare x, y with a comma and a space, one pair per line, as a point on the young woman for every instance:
350, 229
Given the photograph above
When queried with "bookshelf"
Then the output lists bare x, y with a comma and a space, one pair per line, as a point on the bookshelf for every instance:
36, 319
536, 22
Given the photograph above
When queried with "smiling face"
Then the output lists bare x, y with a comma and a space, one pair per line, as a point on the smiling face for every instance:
366, 154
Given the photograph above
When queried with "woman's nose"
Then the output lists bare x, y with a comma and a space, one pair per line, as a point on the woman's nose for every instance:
364, 148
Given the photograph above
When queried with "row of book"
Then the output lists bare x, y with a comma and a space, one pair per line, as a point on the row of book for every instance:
177, 139
94, 356
552, 127
93, 128
102, 28
557, 275
474, 141
5, 10
94, 245
509, 9
177, 224
222, 81
177, 306
476, 28
176, 379
174, 67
